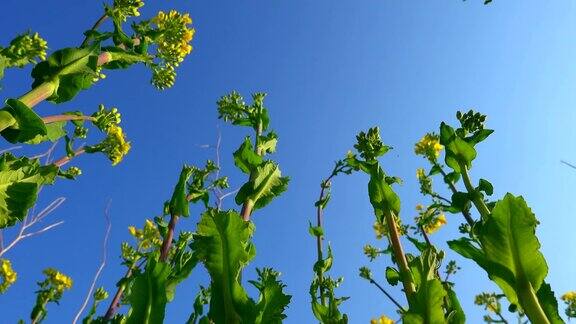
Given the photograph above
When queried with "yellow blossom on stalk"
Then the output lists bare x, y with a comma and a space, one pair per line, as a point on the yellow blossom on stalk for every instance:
569, 296
24, 49
382, 320
147, 237
420, 173
435, 224
7, 274
59, 280
429, 146
126, 8
175, 35
118, 146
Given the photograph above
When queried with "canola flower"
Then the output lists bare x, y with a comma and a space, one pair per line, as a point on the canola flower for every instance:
147, 237
430, 219
7, 274
58, 280
115, 145
382, 320
569, 299
435, 225
429, 146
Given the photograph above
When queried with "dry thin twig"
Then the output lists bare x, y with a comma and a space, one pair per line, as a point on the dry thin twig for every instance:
102, 263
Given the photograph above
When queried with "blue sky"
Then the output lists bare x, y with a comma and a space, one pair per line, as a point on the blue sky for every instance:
331, 69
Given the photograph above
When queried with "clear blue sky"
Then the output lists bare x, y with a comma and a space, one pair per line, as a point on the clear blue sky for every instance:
331, 69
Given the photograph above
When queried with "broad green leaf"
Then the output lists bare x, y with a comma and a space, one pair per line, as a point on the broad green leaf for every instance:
266, 184
454, 310
70, 70
272, 301
54, 131
148, 294
549, 303
382, 196
222, 244
460, 201
457, 149
20, 180
421, 246
508, 239
426, 306
435, 170
179, 205
245, 158
28, 124
479, 136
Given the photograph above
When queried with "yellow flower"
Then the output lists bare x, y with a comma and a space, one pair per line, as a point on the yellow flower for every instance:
420, 173
117, 146
7, 274
429, 146
569, 296
419, 207
434, 225
382, 320
59, 280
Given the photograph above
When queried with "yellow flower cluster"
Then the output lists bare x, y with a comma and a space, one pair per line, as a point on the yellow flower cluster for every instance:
429, 146
58, 280
126, 8
435, 225
147, 237
382, 320
381, 228
117, 146
420, 173
175, 36
7, 274
429, 219
569, 296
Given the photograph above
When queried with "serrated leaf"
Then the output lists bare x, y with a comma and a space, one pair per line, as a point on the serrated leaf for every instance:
20, 180
454, 310
272, 301
266, 184
179, 205
245, 158
148, 294
549, 303
28, 124
222, 244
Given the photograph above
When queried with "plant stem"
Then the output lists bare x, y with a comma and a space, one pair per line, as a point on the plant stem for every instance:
167, 243
399, 253
116, 300
38, 94
6, 120
94, 27
320, 238
67, 159
475, 196
248, 205
388, 295
465, 212
530, 303
58, 118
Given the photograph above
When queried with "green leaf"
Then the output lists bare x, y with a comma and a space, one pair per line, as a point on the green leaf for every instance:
266, 184
549, 303
421, 246
508, 239
426, 306
315, 231
323, 202
29, 124
54, 131
20, 180
267, 143
70, 70
435, 170
382, 196
222, 244
454, 310
325, 264
272, 301
457, 149
245, 158
392, 276
485, 186
479, 136
179, 205
460, 200
148, 294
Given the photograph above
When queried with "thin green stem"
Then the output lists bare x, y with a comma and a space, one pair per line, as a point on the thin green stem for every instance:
475, 195
248, 205
530, 304
465, 212
94, 27
399, 255
400, 308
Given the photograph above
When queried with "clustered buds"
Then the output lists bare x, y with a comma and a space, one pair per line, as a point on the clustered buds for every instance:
381, 228
471, 121
123, 9
382, 320
7, 274
57, 280
148, 237
425, 182
25, 49
569, 299
490, 301
370, 144
115, 145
